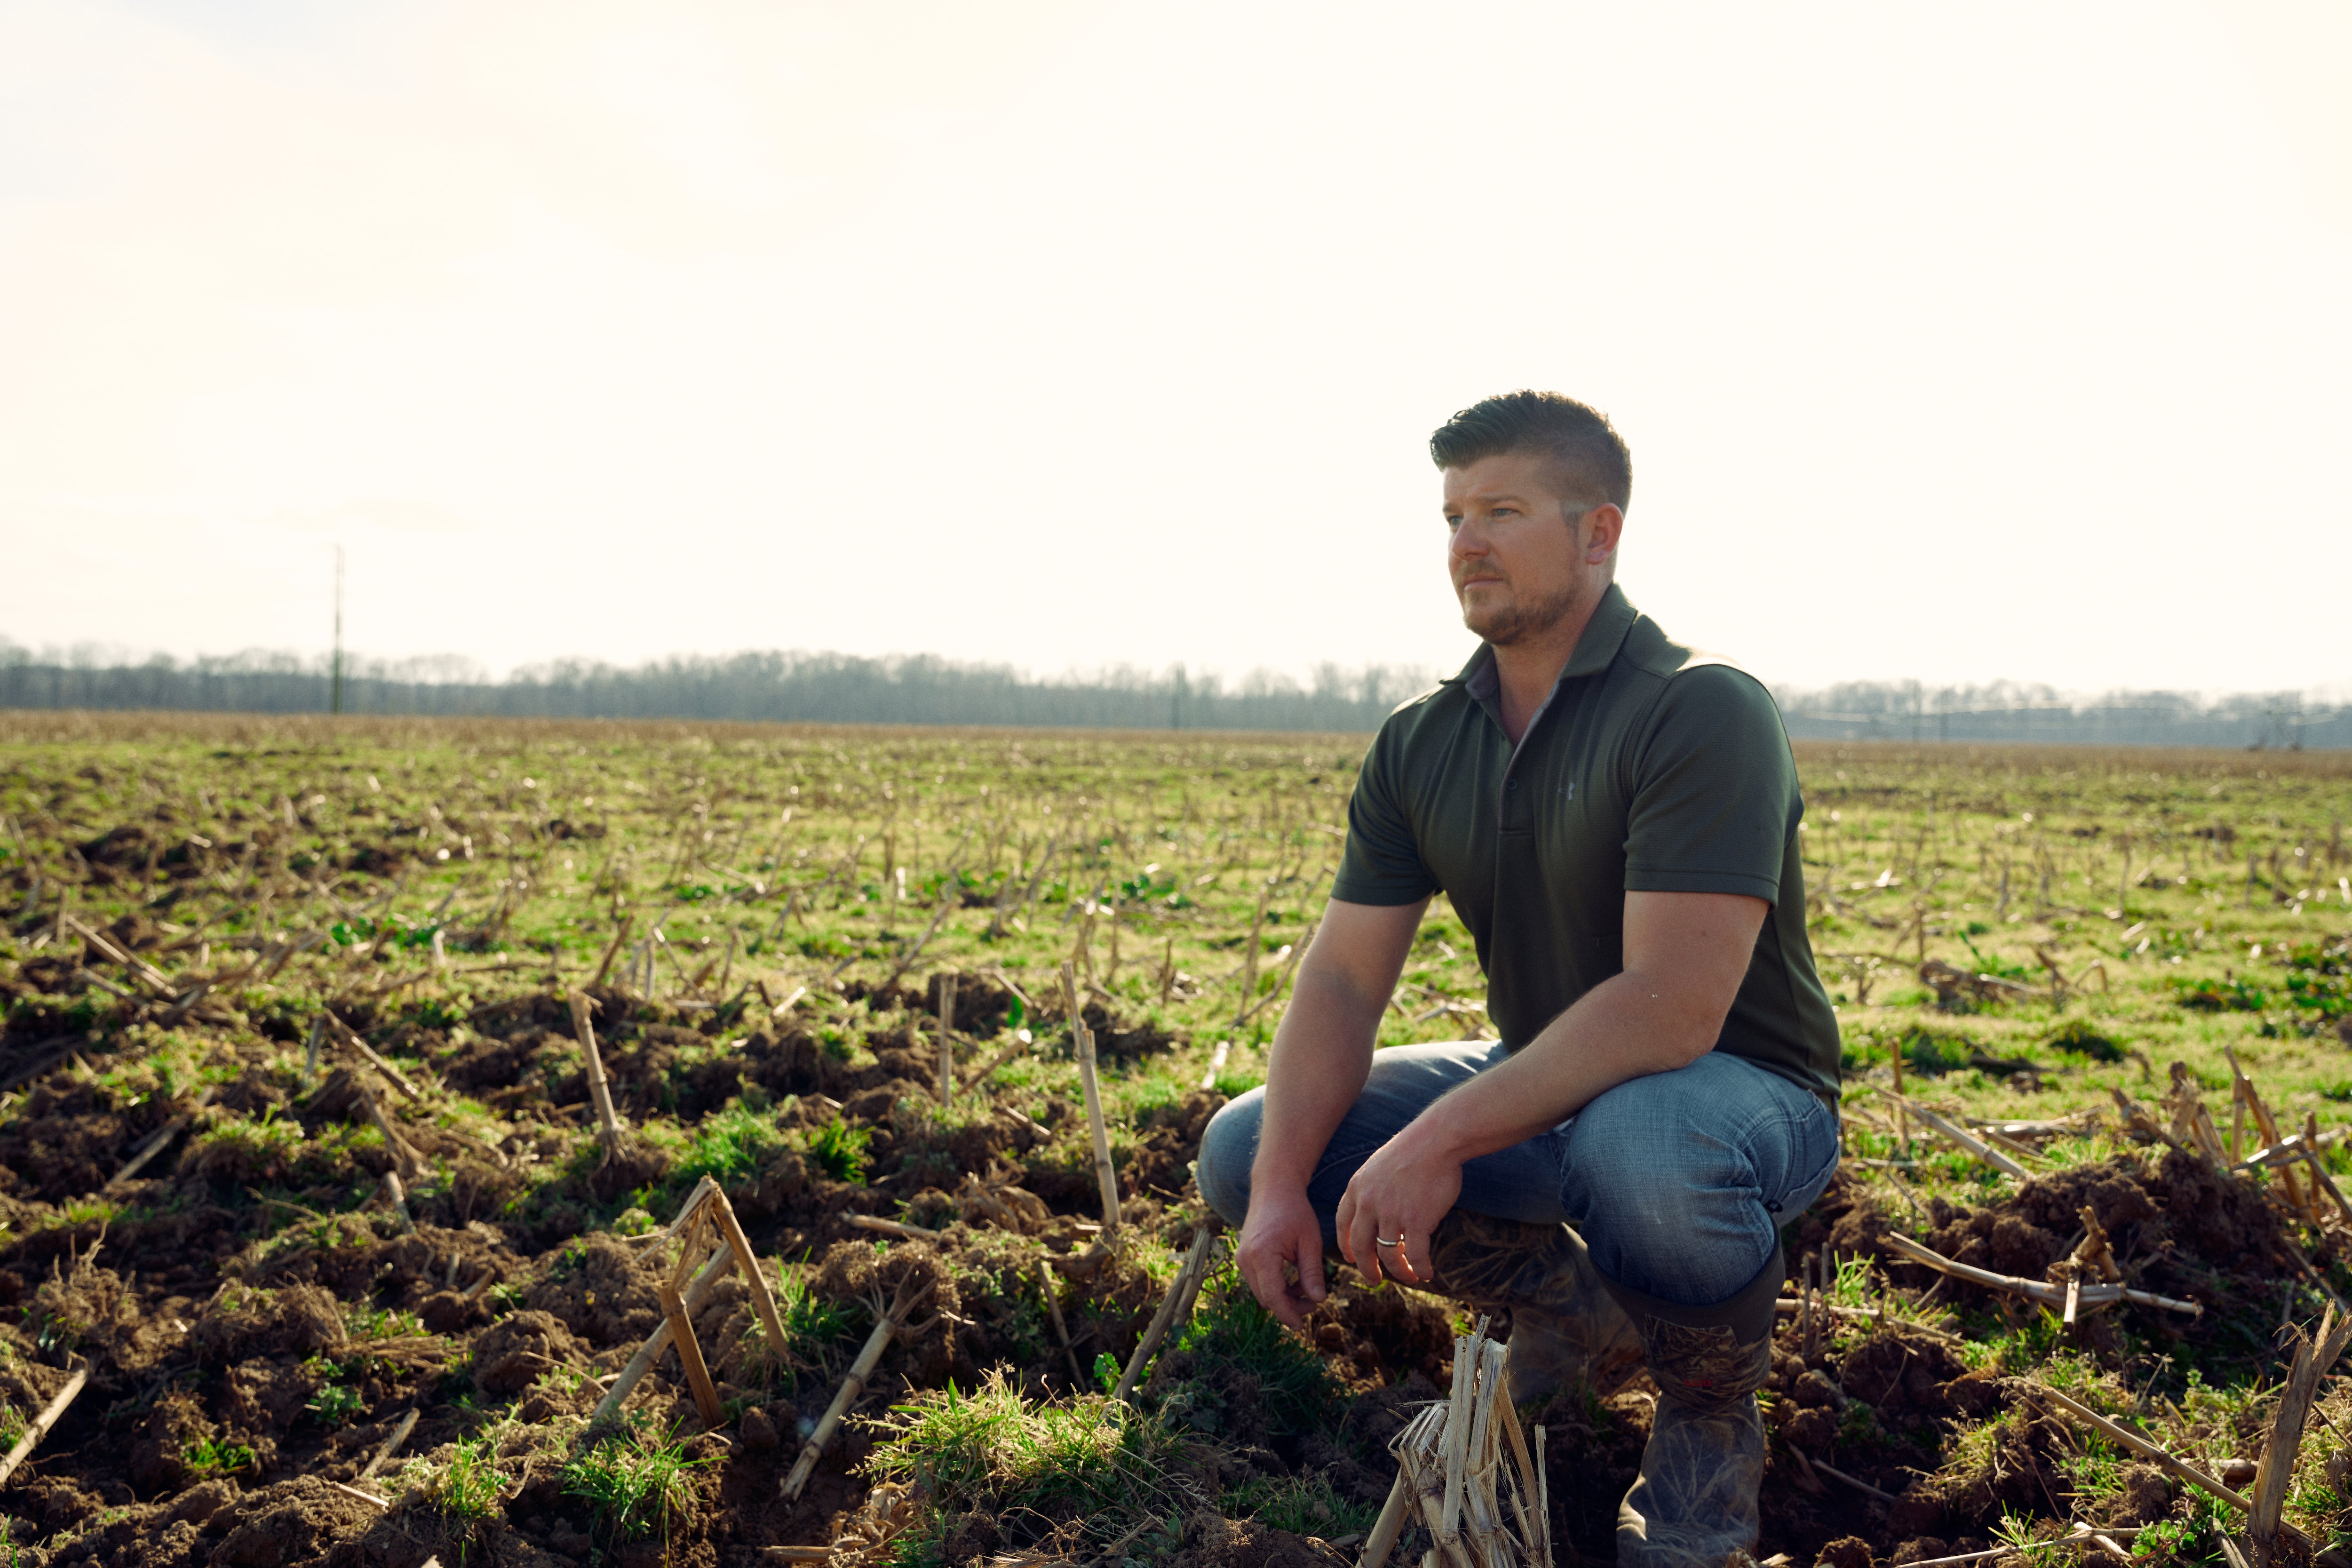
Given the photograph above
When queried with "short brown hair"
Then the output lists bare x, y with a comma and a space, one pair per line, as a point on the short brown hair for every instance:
1575, 435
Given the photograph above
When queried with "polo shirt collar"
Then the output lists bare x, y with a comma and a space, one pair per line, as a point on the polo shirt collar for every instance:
1605, 633
1596, 649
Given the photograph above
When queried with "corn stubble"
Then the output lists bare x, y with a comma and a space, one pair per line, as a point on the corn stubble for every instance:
2022, 945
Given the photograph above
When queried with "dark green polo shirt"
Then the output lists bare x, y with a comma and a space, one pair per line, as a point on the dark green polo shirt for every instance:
1649, 769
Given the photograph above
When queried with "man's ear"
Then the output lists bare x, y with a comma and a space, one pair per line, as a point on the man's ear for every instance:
1603, 527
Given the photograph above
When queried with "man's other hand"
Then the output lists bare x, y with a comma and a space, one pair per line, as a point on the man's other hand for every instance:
1281, 1255
1398, 1196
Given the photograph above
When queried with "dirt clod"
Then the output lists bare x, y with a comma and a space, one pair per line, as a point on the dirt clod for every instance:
515, 1352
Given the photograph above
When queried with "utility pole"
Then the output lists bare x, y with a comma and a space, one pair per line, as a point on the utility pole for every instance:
335, 690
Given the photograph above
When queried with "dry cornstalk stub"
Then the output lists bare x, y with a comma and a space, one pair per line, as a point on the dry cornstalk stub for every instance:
697, 1292
886, 1328
1961, 1136
159, 1140
890, 1227
2153, 1453
600, 1092
405, 1157
706, 1216
368, 1054
397, 1196
2040, 1290
1465, 1473
690, 1352
763, 1299
1174, 1308
146, 973
1061, 1328
39, 1426
694, 1227
947, 1039
1083, 1042
391, 1446
706, 1207
973, 1076
373, 1500
2313, 1360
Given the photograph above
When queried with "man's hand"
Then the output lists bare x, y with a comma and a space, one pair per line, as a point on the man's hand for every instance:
1280, 1235
1321, 1057
1398, 1196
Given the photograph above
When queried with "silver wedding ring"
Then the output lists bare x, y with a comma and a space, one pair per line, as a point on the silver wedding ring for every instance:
1383, 1241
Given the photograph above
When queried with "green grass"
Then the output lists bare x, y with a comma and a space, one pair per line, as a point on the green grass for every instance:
1304, 1506
2138, 859
635, 1482
1294, 1389
839, 1150
2095, 1468
243, 1150
726, 1146
380, 1323
2077, 1038
336, 1405
208, 1456
466, 1487
812, 1324
1232, 1085
80, 1211
2027, 1535
1085, 1458
2001, 861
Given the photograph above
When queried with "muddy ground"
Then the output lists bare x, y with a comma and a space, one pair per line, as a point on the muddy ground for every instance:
256, 1319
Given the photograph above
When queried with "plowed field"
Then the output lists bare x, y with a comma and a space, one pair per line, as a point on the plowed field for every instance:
305, 1192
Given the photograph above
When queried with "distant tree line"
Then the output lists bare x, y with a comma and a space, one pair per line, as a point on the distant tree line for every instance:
833, 687
828, 688
2005, 712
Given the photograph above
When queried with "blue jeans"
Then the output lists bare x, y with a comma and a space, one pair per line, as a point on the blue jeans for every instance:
1678, 1182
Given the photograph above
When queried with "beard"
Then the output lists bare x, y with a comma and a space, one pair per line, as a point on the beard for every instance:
1503, 625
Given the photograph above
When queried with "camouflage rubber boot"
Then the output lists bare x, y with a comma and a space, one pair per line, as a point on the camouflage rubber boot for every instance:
1566, 1328
1695, 1502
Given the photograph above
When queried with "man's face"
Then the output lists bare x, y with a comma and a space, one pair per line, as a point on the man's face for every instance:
1521, 562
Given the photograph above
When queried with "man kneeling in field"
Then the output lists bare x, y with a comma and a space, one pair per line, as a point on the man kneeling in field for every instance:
1614, 818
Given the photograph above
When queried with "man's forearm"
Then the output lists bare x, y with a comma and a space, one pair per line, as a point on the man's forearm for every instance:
1316, 1069
1620, 1030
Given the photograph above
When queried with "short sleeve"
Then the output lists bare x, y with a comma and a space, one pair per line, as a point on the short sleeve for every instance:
1382, 863
1713, 796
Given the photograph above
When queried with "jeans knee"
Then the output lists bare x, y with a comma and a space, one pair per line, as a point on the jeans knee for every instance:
1643, 1159
1664, 1186
1630, 1191
1228, 1147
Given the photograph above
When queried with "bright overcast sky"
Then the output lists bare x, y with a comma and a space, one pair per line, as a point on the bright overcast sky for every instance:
1957, 343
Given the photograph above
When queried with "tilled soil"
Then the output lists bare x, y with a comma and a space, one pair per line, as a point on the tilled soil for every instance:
254, 1331
1885, 1400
